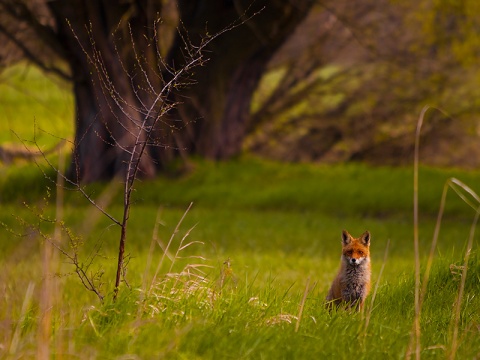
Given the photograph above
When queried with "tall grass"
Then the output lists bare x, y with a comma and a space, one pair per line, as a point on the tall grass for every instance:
470, 198
244, 273
252, 297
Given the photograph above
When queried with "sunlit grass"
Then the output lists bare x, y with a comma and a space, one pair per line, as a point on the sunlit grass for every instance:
272, 245
261, 232
31, 102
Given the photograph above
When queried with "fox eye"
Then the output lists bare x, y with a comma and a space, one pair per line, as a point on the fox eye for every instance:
349, 253
360, 253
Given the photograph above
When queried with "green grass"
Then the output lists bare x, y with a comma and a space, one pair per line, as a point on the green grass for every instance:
277, 225
32, 105
274, 241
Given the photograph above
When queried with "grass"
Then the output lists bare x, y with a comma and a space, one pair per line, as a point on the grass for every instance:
33, 105
273, 244
259, 236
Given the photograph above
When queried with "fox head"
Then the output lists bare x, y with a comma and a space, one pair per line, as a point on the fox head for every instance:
355, 251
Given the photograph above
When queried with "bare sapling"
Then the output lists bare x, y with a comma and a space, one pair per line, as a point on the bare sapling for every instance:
138, 122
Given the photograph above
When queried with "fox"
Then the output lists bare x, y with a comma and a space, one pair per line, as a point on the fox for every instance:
352, 283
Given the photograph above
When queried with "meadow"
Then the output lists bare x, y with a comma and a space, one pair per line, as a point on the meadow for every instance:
243, 273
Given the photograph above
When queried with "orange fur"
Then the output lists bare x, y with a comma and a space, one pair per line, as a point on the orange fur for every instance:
352, 283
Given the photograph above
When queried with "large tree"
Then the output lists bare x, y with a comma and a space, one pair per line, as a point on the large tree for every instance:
195, 90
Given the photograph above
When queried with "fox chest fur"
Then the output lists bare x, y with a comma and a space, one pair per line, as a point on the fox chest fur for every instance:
352, 283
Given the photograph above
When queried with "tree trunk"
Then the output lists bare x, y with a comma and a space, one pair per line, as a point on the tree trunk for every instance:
111, 83
219, 102
112, 51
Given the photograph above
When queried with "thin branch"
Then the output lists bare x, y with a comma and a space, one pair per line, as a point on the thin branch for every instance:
66, 179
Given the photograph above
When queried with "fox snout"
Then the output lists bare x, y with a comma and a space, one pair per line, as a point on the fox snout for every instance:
355, 261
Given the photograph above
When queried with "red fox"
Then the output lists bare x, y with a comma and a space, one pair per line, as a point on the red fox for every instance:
352, 284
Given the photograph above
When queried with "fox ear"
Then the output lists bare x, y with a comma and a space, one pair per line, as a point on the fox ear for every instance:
346, 237
365, 238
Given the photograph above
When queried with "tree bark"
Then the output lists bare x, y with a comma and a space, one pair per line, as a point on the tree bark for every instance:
111, 96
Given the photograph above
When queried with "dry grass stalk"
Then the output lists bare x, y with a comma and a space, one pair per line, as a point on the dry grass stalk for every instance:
416, 332
50, 265
420, 293
302, 305
281, 319
377, 284
18, 328
167, 248
461, 289
151, 250
415, 335
457, 186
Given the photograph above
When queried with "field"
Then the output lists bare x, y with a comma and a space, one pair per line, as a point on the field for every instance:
244, 274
